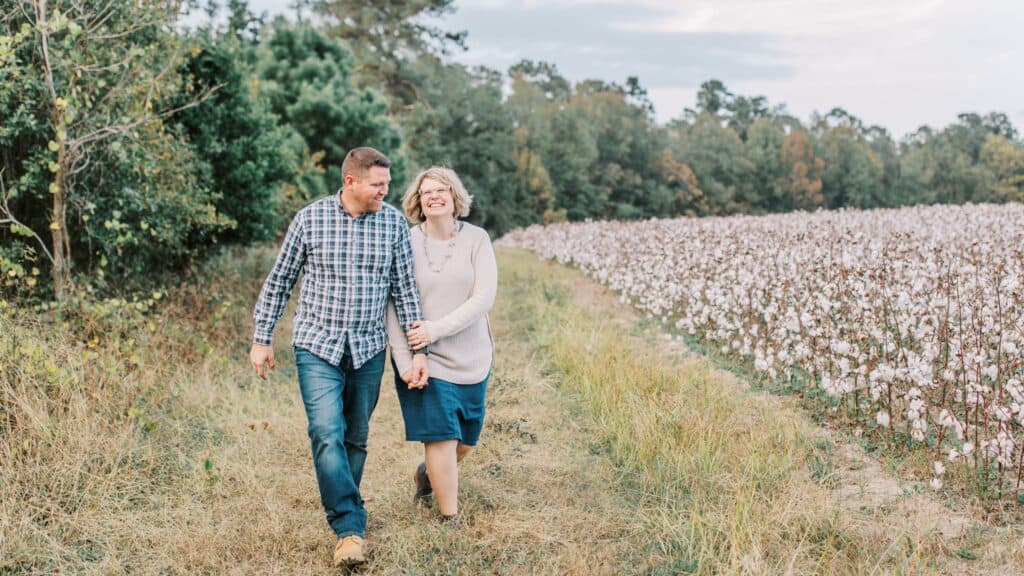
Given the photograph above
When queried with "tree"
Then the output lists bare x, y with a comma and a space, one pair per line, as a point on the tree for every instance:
571, 159
884, 150
531, 110
744, 112
764, 151
802, 172
544, 76
85, 83
713, 97
853, 174
462, 123
1004, 159
306, 79
386, 36
717, 157
236, 139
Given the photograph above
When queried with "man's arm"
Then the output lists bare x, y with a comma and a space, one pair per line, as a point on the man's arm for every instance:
274, 297
403, 282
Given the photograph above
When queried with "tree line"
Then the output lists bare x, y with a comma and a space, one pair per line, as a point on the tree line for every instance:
131, 146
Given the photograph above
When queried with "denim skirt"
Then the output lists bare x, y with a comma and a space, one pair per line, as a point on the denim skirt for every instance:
443, 411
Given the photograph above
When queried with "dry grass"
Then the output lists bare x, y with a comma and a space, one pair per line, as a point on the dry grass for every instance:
142, 445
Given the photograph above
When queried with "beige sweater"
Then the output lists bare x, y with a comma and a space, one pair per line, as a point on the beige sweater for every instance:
455, 303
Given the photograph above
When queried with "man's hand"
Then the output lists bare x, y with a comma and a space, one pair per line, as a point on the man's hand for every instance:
418, 375
260, 356
418, 336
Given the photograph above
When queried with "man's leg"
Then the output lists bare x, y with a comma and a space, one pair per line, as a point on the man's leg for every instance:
361, 393
322, 385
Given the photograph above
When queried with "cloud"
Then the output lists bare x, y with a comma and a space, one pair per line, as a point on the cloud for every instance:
775, 17
593, 46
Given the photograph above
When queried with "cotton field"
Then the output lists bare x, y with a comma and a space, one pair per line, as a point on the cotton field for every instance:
912, 318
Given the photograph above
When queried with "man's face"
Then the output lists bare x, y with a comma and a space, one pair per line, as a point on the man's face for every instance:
368, 191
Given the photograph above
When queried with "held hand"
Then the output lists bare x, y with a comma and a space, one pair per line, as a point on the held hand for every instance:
418, 336
260, 356
419, 375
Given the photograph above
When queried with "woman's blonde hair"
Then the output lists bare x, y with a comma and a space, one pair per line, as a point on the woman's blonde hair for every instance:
460, 198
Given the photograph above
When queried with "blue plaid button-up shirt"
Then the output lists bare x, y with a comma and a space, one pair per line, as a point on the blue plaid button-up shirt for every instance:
351, 265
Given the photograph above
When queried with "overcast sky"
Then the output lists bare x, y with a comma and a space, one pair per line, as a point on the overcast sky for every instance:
897, 63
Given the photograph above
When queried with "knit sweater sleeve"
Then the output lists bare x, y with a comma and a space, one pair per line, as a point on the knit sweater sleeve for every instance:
399, 344
485, 286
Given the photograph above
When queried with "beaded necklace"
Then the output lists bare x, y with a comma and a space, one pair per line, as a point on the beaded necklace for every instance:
449, 252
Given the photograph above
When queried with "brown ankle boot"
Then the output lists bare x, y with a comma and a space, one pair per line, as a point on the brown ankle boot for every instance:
423, 488
349, 550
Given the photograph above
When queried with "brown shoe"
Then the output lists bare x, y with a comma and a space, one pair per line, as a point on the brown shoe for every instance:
350, 550
423, 488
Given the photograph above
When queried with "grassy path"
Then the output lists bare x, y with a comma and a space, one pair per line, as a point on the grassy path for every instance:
606, 450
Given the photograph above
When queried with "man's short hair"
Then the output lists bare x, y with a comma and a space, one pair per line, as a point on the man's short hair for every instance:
359, 160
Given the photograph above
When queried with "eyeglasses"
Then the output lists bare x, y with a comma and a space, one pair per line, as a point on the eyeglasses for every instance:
445, 190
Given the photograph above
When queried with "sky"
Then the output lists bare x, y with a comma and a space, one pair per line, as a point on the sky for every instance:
900, 64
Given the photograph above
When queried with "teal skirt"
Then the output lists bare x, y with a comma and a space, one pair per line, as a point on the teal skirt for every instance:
443, 410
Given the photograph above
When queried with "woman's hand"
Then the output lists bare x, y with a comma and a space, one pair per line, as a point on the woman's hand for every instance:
419, 335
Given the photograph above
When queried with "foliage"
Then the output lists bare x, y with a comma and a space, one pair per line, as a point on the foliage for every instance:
85, 155
235, 138
306, 79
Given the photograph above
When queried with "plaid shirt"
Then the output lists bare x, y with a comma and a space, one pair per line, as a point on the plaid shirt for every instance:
351, 265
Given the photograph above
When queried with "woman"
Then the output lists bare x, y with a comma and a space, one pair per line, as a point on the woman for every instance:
457, 278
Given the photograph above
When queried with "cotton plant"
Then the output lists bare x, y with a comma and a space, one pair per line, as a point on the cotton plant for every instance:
912, 318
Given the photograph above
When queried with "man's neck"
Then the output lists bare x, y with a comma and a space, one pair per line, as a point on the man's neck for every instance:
349, 205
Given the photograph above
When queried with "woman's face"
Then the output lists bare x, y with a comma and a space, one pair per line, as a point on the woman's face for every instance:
436, 199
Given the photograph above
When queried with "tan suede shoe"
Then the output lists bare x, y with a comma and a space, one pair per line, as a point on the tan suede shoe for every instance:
350, 550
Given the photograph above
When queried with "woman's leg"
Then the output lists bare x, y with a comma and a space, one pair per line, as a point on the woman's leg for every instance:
443, 470
461, 452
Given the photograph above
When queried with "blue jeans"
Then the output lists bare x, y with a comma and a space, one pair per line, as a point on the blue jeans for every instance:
339, 401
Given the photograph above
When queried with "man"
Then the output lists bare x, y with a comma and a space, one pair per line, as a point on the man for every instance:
354, 251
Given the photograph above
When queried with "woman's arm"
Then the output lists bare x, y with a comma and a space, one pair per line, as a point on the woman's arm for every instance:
399, 344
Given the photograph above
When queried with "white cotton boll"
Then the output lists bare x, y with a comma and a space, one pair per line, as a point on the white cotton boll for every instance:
954, 455
968, 448
1000, 412
990, 371
882, 418
936, 483
918, 429
939, 467
946, 418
